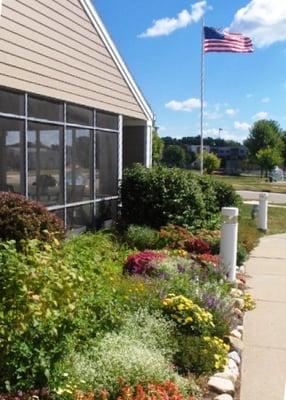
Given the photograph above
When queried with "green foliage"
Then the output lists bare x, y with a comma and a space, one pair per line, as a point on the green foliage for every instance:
142, 237
157, 147
201, 354
267, 158
138, 353
263, 134
23, 219
174, 156
241, 254
37, 303
211, 162
172, 196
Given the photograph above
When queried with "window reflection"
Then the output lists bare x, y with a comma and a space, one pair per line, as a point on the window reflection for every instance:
106, 164
79, 156
11, 155
80, 218
45, 160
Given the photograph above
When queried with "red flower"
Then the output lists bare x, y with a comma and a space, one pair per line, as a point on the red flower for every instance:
197, 246
141, 263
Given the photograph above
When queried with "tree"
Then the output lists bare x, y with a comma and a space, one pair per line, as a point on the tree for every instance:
268, 158
263, 134
157, 147
174, 156
211, 162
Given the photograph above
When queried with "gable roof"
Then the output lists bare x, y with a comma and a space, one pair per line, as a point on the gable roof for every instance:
106, 38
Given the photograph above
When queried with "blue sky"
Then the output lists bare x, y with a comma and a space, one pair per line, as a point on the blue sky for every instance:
160, 42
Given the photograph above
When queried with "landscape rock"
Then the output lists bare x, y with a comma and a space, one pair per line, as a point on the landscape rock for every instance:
221, 385
224, 397
240, 328
235, 357
238, 312
232, 367
236, 334
236, 344
227, 374
242, 269
239, 303
236, 292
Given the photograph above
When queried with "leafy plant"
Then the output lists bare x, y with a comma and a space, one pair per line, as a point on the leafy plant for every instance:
37, 304
141, 263
23, 219
142, 237
197, 246
174, 236
201, 354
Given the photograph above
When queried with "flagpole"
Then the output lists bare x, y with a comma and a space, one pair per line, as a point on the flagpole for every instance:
202, 101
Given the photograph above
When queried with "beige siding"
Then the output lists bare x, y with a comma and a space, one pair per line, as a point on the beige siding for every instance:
50, 47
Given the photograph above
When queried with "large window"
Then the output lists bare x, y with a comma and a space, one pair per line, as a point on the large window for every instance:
11, 155
45, 161
63, 155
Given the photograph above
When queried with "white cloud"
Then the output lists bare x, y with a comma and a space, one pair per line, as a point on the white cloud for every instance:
162, 129
212, 115
260, 115
243, 126
265, 100
249, 95
186, 105
231, 111
166, 26
263, 20
224, 134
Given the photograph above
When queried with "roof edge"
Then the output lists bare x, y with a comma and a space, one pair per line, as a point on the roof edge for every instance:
105, 36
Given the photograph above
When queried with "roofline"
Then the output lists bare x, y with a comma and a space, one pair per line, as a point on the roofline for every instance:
105, 36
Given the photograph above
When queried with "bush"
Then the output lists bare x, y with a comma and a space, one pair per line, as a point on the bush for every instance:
37, 305
160, 196
201, 354
142, 237
241, 255
141, 263
116, 360
23, 219
197, 246
174, 237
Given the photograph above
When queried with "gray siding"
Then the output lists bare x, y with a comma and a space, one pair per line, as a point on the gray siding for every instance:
50, 47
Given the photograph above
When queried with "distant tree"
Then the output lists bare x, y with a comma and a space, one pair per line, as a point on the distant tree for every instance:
267, 159
284, 149
211, 162
157, 147
174, 156
263, 134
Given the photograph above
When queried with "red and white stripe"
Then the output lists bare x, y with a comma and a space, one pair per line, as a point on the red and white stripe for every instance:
232, 42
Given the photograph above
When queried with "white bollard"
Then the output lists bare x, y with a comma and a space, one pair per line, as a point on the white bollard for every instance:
263, 212
228, 242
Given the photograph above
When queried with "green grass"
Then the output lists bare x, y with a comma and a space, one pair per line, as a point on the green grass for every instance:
250, 182
248, 232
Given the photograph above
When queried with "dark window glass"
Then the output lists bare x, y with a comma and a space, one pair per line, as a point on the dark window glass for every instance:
59, 213
45, 109
12, 102
45, 161
11, 155
79, 115
80, 218
79, 168
106, 120
106, 164
106, 213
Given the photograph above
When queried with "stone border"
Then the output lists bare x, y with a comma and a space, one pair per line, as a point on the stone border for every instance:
224, 383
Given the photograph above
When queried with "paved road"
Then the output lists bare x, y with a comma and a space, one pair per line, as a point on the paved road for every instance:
264, 355
279, 198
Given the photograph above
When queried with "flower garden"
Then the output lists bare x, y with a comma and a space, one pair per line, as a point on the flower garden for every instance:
140, 312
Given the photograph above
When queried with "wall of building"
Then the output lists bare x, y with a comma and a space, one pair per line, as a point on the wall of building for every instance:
51, 48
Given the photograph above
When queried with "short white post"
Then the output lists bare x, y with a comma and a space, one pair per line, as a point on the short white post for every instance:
263, 212
228, 242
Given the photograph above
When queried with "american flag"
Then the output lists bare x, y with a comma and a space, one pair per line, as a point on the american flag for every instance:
216, 40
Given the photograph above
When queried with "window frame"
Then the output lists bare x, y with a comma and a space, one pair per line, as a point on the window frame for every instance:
66, 125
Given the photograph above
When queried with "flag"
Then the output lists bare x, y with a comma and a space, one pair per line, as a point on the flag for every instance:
216, 40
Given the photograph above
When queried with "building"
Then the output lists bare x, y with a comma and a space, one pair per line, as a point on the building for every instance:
71, 115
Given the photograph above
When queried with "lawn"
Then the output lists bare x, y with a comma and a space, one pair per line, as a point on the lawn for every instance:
250, 182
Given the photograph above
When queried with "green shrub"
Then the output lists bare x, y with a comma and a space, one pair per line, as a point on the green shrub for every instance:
201, 354
37, 303
174, 236
142, 237
118, 359
160, 196
241, 254
23, 219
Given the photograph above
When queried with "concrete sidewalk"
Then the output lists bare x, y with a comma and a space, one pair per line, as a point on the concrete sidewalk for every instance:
264, 357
